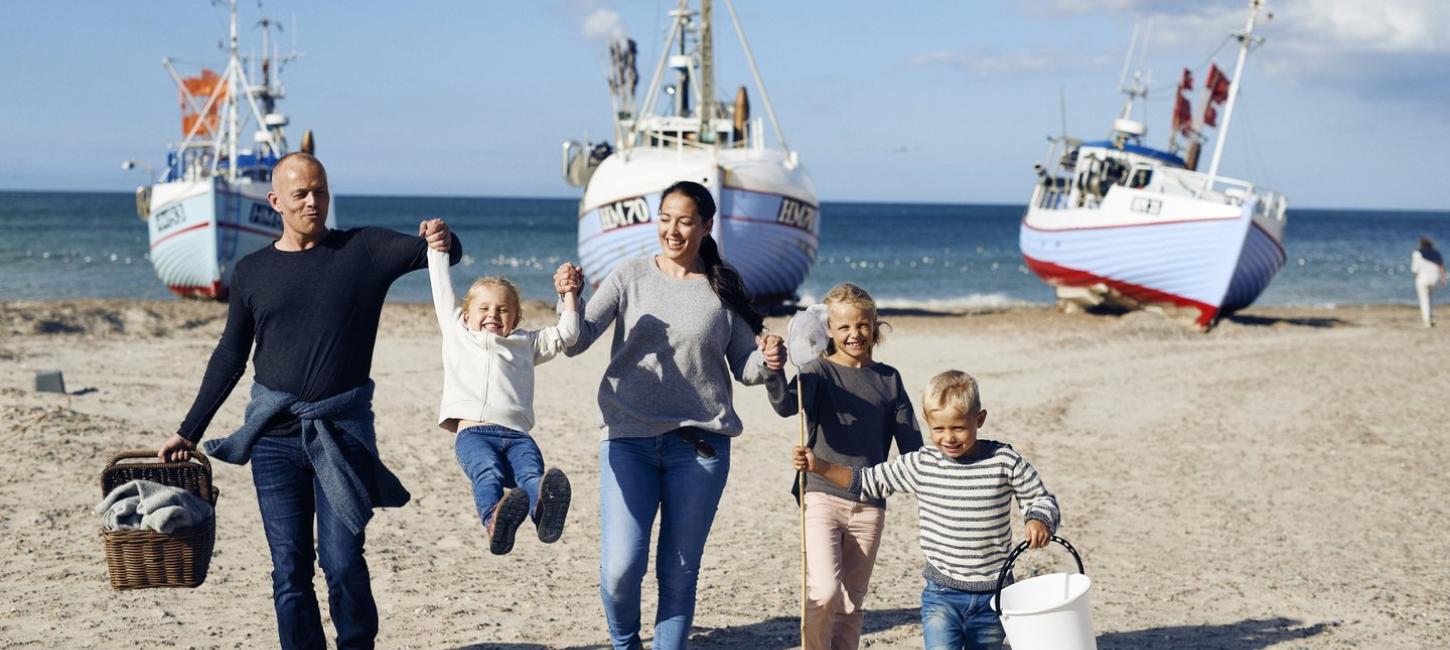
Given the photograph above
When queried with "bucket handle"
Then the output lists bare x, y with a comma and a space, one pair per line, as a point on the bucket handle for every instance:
1012, 559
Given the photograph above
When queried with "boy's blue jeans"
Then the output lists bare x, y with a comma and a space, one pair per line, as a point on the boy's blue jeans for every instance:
495, 458
637, 477
959, 620
289, 497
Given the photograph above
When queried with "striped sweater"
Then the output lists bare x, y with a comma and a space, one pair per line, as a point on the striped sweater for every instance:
964, 507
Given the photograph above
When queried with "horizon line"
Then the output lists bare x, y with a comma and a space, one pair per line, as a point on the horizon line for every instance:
845, 201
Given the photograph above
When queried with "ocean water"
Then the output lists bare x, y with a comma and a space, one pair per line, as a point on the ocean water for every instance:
91, 245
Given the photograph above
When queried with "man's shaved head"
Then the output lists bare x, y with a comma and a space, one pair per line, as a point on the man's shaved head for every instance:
291, 163
299, 193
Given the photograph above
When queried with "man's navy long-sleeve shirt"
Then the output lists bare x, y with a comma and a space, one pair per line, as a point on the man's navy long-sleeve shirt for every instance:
313, 315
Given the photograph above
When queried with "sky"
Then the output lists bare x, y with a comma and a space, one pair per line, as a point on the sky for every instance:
1346, 104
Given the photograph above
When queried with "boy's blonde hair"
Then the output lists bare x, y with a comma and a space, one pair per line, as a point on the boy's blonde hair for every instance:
952, 389
497, 282
846, 293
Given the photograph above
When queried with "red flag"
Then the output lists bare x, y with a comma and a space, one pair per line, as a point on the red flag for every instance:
1217, 85
1182, 111
1210, 116
1182, 116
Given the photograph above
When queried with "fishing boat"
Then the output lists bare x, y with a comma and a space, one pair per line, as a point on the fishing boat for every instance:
1116, 222
208, 207
768, 222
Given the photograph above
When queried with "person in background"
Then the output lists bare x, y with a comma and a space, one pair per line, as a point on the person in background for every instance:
1428, 267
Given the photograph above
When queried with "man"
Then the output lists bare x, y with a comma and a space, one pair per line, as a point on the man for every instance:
311, 301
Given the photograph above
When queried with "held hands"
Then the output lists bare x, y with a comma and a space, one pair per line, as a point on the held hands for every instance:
175, 449
436, 232
773, 349
568, 279
1037, 534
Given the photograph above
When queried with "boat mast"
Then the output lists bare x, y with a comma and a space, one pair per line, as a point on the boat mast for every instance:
707, 76
233, 118
1246, 40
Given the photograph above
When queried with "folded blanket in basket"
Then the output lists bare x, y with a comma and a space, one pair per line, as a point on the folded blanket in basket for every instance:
153, 506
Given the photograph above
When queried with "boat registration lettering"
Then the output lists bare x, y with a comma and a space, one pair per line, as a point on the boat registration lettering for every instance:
797, 214
628, 212
169, 218
264, 215
1146, 205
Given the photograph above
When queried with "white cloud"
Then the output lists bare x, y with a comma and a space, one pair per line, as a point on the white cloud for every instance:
984, 64
1409, 26
604, 25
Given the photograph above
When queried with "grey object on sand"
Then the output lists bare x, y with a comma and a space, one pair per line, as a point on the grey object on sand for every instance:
49, 381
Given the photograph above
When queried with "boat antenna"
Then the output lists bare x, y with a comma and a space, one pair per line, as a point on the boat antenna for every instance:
755, 72
1247, 41
1062, 109
1128, 59
1139, 87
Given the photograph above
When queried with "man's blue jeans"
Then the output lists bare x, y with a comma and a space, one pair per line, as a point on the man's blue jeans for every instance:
495, 458
637, 477
290, 497
959, 620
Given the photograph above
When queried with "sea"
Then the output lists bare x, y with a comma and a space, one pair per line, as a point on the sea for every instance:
59, 245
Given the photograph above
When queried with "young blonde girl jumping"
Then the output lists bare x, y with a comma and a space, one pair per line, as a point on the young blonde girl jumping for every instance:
855, 407
488, 399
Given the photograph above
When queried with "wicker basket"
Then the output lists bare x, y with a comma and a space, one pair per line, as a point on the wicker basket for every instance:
141, 559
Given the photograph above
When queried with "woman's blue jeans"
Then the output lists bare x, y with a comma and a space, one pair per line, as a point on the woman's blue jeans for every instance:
289, 497
494, 458
637, 477
959, 620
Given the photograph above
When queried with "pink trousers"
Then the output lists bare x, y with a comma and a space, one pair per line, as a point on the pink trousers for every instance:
841, 541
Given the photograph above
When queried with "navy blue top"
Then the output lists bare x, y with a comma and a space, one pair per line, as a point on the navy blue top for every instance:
313, 315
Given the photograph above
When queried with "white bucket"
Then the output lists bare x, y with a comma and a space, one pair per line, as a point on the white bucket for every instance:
1049, 612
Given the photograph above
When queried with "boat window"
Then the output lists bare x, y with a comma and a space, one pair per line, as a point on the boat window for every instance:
1141, 177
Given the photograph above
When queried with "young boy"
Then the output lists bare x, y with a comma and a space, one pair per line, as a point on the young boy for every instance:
964, 489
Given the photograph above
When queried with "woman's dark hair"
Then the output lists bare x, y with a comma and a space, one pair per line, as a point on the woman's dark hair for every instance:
723, 278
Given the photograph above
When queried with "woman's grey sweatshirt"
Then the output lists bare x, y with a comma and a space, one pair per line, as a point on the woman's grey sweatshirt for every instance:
675, 348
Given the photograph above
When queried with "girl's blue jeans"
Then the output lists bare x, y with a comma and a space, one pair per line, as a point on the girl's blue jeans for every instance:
959, 620
637, 478
495, 458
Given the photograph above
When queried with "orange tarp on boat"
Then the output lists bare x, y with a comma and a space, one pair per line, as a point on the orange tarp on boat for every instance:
199, 90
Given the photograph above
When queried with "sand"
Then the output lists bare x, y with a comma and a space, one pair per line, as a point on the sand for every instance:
1278, 482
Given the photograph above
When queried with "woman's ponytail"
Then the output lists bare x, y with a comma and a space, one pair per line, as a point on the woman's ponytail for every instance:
723, 278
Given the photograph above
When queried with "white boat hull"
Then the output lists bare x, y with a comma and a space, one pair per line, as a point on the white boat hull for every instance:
767, 225
199, 229
1206, 257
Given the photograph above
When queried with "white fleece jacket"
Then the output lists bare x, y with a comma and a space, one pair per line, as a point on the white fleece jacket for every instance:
486, 377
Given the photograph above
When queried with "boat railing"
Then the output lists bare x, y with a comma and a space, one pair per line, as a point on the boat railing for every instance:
1051, 192
1183, 182
683, 134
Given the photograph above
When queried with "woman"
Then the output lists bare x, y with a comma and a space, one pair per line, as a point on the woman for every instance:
1429, 269
683, 325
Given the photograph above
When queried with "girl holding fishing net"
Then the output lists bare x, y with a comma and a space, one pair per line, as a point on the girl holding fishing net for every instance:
854, 408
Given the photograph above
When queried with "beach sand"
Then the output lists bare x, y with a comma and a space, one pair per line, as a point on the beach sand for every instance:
1278, 482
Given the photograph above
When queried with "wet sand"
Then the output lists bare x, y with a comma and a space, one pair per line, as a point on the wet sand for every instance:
1278, 482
